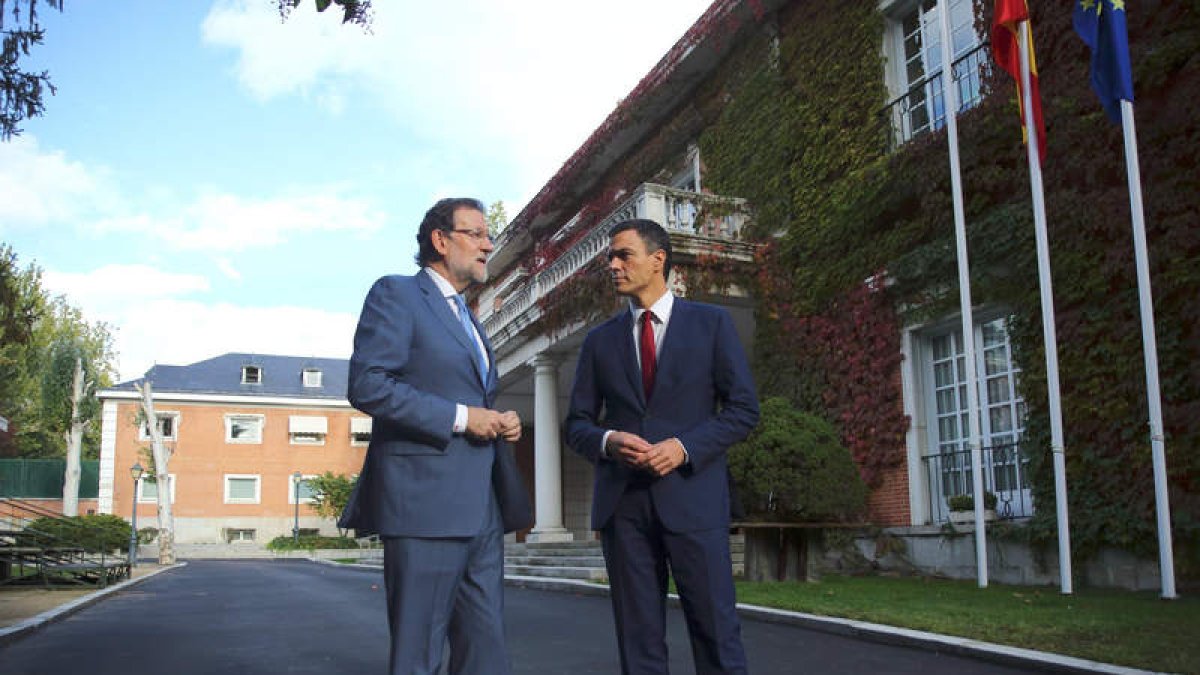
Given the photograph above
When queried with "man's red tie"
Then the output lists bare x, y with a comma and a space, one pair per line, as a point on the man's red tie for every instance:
647, 347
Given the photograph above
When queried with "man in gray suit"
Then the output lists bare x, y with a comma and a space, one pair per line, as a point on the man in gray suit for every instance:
439, 483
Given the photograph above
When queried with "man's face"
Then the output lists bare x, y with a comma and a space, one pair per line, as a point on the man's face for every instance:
635, 272
465, 249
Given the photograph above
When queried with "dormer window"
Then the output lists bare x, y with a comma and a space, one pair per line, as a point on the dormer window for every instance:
311, 377
251, 375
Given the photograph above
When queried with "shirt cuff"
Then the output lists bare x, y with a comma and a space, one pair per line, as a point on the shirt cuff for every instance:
604, 445
687, 459
460, 418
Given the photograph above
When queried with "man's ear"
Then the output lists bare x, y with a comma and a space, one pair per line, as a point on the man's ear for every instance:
438, 239
661, 256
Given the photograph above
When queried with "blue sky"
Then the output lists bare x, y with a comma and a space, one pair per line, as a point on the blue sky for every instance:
209, 180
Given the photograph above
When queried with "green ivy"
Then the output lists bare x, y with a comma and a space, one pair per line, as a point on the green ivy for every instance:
803, 142
792, 121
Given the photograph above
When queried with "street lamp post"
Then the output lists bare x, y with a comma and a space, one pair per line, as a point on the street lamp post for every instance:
296, 523
136, 471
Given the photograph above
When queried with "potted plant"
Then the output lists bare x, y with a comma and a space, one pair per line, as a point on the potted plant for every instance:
962, 508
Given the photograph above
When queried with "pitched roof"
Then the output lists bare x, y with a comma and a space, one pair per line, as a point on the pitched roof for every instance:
279, 376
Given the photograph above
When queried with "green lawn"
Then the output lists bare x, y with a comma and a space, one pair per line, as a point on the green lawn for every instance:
1126, 628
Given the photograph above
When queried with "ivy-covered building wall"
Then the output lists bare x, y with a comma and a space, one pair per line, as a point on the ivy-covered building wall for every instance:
804, 140
858, 250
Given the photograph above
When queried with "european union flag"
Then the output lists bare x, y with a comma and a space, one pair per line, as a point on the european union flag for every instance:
1101, 24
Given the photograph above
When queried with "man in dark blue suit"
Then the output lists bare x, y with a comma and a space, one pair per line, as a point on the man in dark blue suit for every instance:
661, 392
439, 483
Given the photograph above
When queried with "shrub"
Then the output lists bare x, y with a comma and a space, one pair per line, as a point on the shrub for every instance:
794, 468
967, 502
310, 542
101, 533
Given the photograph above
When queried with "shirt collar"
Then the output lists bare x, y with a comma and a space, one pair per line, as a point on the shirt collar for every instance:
443, 285
661, 308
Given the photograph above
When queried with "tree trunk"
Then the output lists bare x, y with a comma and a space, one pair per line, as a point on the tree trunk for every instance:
162, 455
74, 438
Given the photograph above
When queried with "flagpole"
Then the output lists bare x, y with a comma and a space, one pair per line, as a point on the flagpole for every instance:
1166, 554
1049, 333
950, 100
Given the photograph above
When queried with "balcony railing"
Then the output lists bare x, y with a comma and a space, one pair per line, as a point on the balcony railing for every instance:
923, 107
690, 213
1005, 474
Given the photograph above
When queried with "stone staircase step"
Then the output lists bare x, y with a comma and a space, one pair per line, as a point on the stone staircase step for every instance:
564, 572
556, 561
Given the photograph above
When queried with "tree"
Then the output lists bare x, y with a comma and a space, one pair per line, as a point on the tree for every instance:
41, 372
331, 493
497, 218
18, 311
22, 307
353, 11
70, 406
162, 456
21, 92
793, 467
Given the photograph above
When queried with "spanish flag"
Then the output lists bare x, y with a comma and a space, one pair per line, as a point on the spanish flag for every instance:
1006, 50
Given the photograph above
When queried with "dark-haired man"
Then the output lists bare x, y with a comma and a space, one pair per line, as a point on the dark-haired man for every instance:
661, 392
439, 483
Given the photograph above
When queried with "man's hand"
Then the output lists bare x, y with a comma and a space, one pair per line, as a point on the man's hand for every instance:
511, 430
484, 424
627, 448
664, 457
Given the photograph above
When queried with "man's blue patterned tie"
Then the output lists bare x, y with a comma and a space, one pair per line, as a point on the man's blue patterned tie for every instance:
464, 317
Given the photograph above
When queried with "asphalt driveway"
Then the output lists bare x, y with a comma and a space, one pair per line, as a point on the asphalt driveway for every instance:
258, 616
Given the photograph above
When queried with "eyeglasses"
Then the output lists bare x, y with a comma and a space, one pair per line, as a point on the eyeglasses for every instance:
477, 235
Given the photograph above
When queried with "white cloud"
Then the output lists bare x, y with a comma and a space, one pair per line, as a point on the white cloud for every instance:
179, 332
38, 188
230, 223
226, 222
112, 287
527, 80
45, 188
154, 322
227, 268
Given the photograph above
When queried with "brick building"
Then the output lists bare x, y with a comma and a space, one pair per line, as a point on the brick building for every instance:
241, 426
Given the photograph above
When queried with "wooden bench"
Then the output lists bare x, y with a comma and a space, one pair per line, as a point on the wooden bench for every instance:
87, 572
58, 564
785, 551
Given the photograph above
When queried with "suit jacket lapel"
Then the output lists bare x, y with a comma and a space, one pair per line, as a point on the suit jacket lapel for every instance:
441, 309
673, 340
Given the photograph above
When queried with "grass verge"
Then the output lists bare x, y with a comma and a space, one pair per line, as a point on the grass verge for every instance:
1121, 627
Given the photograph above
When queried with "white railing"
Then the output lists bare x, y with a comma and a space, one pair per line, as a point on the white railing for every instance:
691, 213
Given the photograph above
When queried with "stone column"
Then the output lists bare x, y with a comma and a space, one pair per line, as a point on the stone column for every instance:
547, 453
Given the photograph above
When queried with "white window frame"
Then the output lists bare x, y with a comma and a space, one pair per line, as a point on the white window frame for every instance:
141, 489
688, 177
903, 88
257, 374
311, 377
353, 440
306, 437
929, 442
242, 476
291, 488
230, 417
173, 415
230, 540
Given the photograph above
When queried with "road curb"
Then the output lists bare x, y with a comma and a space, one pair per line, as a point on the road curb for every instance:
16, 631
958, 646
